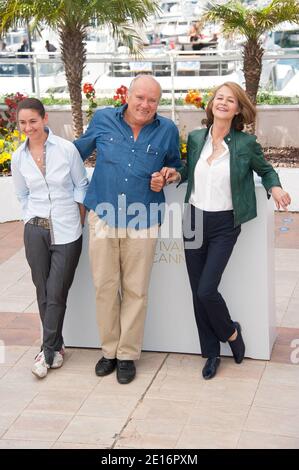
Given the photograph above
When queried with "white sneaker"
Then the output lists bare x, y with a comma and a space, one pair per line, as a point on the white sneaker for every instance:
58, 358
40, 367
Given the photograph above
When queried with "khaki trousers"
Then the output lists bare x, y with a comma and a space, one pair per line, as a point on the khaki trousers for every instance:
121, 262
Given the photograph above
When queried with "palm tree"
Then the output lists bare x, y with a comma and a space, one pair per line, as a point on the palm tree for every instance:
71, 19
253, 23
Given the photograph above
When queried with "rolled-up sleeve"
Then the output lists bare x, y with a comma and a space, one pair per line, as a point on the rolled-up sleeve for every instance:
262, 167
86, 144
79, 176
21, 188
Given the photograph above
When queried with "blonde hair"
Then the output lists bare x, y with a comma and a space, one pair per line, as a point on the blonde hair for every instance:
247, 111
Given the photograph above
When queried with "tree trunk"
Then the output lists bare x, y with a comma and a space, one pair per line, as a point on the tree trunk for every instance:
73, 54
252, 57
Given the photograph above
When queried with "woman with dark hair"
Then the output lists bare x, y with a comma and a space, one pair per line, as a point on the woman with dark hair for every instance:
221, 196
50, 182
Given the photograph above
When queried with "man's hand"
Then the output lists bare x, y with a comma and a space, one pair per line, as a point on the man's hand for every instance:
282, 198
170, 174
157, 182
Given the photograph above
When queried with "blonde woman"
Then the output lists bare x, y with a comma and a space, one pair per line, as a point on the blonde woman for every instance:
221, 193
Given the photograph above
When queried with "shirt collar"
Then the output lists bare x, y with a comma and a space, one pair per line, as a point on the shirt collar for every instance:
119, 112
50, 139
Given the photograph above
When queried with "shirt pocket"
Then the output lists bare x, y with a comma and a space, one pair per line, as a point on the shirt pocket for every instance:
110, 147
147, 160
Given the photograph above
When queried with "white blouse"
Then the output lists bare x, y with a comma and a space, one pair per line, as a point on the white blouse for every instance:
212, 189
58, 192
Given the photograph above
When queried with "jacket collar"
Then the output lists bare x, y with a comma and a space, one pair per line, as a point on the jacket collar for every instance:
200, 140
202, 137
228, 138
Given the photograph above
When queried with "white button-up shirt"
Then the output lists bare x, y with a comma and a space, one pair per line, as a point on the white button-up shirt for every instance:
212, 189
57, 193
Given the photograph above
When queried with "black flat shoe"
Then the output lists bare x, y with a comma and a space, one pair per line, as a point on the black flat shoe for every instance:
105, 366
210, 368
237, 346
125, 371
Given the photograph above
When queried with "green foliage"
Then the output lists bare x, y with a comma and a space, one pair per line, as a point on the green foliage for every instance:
72, 15
264, 97
55, 101
71, 19
237, 18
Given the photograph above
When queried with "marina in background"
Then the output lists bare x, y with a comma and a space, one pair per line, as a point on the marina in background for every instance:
180, 52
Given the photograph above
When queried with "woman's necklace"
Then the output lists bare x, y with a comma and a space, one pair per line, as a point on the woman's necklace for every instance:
217, 145
38, 156
217, 149
38, 159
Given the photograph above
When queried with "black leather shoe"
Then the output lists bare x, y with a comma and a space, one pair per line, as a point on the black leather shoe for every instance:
237, 346
210, 368
105, 366
125, 371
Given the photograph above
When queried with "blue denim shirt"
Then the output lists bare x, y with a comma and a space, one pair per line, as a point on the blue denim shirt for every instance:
122, 175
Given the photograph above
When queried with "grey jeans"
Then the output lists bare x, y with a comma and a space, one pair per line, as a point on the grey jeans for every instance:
52, 269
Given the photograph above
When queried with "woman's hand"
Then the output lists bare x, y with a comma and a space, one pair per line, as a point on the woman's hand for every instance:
282, 198
170, 174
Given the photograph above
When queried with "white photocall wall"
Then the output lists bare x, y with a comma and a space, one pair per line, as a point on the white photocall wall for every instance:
247, 286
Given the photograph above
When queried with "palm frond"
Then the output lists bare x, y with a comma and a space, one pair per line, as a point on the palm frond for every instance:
124, 11
278, 11
233, 16
253, 22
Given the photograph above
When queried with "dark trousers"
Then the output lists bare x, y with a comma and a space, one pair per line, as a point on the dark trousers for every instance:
52, 270
205, 267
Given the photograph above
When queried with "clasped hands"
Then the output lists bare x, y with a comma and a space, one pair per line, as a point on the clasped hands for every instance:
165, 176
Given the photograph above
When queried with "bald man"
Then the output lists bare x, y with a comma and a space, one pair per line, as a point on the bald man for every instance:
133, 144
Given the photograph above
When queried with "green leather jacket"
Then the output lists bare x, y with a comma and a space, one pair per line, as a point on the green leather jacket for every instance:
246, 156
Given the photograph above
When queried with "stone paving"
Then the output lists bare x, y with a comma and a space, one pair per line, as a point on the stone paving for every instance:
168, 405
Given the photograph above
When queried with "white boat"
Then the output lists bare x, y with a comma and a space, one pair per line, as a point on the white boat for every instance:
284, 74
290, 86
16, 72
285, 36
188, 72
174, 68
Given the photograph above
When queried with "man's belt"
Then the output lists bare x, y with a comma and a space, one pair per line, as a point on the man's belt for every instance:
40, 221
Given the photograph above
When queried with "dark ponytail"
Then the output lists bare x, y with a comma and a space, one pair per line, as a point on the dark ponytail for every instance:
32, 103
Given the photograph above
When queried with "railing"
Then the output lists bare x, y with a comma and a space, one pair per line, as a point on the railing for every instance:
176, 70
